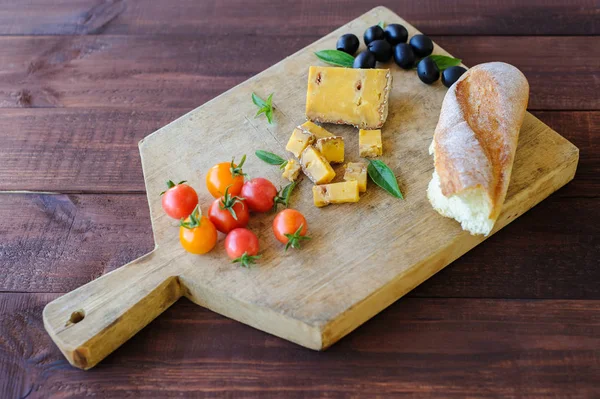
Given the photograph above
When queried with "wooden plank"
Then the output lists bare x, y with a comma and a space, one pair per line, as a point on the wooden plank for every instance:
95, 150
418, 347
154, 73
328, 289
552, 248
236, 17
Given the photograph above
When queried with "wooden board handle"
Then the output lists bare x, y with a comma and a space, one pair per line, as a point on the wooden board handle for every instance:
89, 323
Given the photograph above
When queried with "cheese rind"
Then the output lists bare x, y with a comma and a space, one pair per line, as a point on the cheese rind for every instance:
357, 97
304, 135
369, 143
332, 148
291, 170
357, 171
335, 193
315, 166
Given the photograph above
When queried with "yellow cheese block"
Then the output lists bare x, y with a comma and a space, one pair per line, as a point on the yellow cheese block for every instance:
348, 96
315, 166
303, 136
335, 193
357, 171
332, 148
291, 170
369, 143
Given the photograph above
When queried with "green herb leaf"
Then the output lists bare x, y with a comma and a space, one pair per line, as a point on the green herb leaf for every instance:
269, 157
336, 57
445, 62
264, 107
381, 24
383, 176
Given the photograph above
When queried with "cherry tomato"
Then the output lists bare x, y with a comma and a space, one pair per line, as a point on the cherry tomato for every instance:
179, 200
197, 233
223, 175
242, 246
228, 213
290, 228
259, 194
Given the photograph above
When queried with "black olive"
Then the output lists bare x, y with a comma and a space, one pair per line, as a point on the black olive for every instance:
373, 33
365, 60
422, 45
404, 56
381, 49
395, 33
428, 70
348, 43
452, 74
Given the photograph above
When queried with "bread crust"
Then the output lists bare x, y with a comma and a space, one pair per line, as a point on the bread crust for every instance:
476, 137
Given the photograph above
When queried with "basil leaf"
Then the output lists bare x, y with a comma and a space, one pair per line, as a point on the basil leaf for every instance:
336, 57
445, 62
259, 102
269, 157
383, 176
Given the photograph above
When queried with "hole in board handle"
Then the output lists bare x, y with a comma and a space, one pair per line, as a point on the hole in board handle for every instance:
76, 317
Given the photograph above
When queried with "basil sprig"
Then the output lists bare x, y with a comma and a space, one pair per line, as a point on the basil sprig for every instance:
264, 107
336, 57
445, 62
383, 176
270, 158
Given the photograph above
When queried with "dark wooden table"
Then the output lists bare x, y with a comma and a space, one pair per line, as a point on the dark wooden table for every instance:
82, 81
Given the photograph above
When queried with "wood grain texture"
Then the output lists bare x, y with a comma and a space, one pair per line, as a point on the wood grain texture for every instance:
313, 306
154, 73
81, 237
95, 150
238, 17
416, 348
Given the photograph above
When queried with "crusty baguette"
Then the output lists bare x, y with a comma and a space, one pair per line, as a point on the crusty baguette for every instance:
474, 144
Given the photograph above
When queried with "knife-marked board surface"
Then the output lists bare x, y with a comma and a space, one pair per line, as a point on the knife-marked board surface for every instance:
362, 257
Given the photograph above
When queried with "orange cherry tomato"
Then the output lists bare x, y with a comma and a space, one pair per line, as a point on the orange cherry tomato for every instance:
197, 233
179, 200
290, 228
224, 175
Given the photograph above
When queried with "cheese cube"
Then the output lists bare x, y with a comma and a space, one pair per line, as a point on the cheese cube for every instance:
335, 193
332, 148
291, 170
369, 143
357, 171
315, 166
303, 136
348, 96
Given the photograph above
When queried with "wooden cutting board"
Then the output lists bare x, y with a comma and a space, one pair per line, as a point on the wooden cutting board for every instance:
362, 257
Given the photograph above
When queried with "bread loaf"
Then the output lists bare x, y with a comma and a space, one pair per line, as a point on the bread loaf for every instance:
474, 144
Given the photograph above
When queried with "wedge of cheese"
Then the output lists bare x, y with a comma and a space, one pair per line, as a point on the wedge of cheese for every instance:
335, 193
348, 96
332, 148
315, 166
357, 171
291, 170
304, 135
369, 143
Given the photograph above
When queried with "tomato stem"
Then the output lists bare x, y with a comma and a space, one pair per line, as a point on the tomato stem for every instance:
227, 202
195, 219
283, 196
236, 170
246, 260
170, 185
295, 239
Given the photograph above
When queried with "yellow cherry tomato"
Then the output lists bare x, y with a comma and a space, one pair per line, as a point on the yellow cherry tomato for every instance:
197, 233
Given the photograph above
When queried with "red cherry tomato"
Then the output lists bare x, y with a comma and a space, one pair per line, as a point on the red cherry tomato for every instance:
259, 194
224, 175
290, 228
228, 213
179, 200
242, 246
